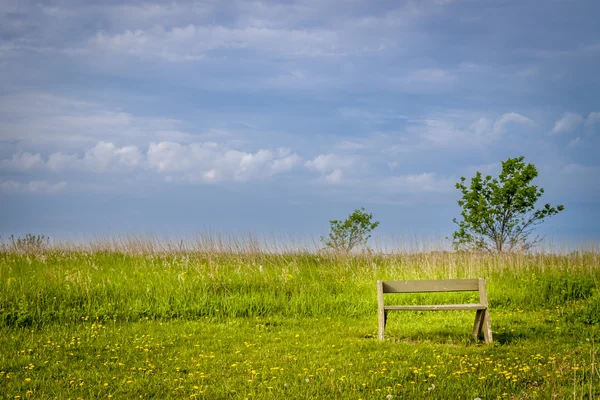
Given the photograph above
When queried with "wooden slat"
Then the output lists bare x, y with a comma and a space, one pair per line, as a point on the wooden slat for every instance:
380, 311
432, 307
415, 286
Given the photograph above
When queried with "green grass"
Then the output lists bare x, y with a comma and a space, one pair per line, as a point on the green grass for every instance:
211, 324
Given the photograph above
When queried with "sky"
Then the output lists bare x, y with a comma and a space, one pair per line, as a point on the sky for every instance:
274, 117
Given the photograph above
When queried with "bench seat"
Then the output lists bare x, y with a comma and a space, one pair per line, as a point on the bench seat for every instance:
445, 307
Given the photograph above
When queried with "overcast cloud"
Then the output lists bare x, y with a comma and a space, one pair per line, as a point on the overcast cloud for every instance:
277, 116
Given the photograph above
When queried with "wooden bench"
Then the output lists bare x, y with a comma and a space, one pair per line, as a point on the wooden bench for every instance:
482, 315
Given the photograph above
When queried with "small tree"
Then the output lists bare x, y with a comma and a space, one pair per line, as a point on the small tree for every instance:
499, 213
354, 231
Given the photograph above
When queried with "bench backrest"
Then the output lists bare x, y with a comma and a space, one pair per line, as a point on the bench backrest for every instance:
416, 286
445, 285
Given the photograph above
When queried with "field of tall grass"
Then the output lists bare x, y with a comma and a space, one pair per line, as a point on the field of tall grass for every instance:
219, 317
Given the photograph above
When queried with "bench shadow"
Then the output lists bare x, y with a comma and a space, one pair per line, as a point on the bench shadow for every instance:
449, 337
510, 337
443, 336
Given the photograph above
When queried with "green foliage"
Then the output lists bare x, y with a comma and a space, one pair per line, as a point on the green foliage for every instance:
498, 214
560, 289
588, 314
351, 233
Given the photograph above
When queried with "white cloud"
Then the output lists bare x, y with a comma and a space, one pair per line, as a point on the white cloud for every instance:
61, 161
568, 123
511, 117
104, 156
333, 167
42, 187
592, 120
100, 157
371, 116
584, 170
334, 177
47, 119
22, 162
457, 128
212, 162
441, 130
130, 155
285, 161
98, 117
326, 163
349, 145
482, 126
428, 182
168, 156
187, 31
193, 42
485, 169
207, 161
425, 80
575, 142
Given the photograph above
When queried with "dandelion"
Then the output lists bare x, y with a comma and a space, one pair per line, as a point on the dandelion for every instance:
389, 397
430, 388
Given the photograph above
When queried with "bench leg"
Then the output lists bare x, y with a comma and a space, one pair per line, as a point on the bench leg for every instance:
478, 324
487, 327
382, 317
381, 314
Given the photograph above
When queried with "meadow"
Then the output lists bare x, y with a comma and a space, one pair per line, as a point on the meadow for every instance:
236, 320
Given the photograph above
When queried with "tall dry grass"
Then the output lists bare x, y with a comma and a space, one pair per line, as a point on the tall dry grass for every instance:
133, 277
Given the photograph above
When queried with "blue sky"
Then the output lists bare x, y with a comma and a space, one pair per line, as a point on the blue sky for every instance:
275, 116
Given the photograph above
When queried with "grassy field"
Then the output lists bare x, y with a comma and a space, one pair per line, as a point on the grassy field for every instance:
214, 323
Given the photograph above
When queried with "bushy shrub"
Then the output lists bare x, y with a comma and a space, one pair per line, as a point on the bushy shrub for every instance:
351, 233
